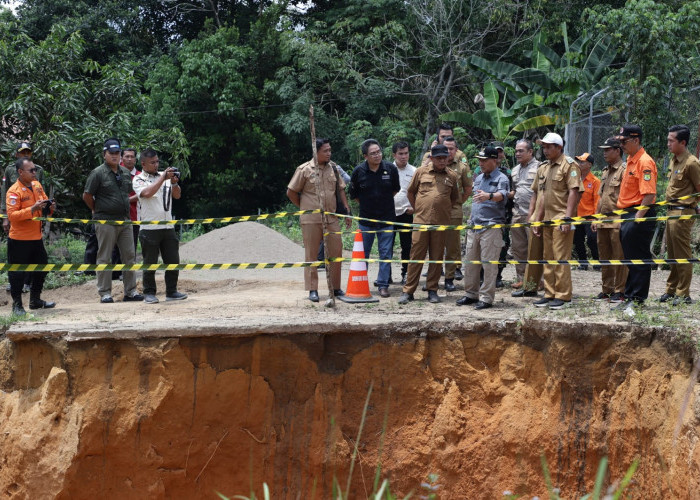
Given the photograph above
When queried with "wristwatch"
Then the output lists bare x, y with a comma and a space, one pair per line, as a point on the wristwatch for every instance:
490, 196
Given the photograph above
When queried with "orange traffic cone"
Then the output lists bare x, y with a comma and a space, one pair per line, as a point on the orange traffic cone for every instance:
358, 283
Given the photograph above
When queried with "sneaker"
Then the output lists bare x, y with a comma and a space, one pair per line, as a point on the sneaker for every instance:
176, 296
557, 304
134, 297
106, 299
681, 300
405, 298
616, 298
666, 297
543, 302
150, 299
602, 296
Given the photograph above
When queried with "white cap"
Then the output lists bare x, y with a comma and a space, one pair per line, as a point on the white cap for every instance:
552, 138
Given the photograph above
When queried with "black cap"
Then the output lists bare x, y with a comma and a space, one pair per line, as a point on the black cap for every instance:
112, 145
439, 150
611, 142
24, 145
487, 152
630, 131
497, 145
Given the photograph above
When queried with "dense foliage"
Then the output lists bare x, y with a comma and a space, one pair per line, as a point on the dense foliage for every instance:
223, 88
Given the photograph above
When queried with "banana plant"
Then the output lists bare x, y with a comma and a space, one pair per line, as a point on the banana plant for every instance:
502, 116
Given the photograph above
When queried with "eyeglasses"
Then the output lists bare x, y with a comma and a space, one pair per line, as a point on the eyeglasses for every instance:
31, 170
375, 153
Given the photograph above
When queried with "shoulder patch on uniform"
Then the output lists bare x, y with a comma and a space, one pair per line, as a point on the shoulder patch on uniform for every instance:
464, 159
647, 175
573, 173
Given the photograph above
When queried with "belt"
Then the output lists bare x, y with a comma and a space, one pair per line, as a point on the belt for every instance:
679, 207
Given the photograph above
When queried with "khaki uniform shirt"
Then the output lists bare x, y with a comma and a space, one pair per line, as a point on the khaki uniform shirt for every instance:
460, 157
610, 181
540, 198
683, 177
558, 177
305, 180
523, 177
11, 176
436, 192
464, 181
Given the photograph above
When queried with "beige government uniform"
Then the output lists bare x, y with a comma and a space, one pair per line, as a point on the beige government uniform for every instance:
683, 178
305, 181
453, 247
522, 176
609, 245
435, 192
535, 246
557, 178
460, 157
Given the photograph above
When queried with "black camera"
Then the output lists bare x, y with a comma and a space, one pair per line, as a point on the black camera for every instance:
46, 209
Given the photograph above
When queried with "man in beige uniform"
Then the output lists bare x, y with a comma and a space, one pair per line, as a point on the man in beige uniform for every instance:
432, 192
609, 245
560, 187
302, 192
444, 130
522, 175
683, 179
453, 248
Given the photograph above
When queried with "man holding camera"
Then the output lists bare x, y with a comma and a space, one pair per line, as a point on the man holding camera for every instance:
107, 196
25, 200
156, 191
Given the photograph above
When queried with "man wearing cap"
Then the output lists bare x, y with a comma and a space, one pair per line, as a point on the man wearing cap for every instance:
584, 234
432, 192
638, 187
402, 207
24, 150
522, 177
444, 130
609, 245
503, 167
559, 184
453, 248
374, 183
491, 189
684, 179
25, 200
107, 196
302, 192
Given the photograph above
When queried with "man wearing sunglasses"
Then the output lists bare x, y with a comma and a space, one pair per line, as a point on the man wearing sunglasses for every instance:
107, 195
25, 200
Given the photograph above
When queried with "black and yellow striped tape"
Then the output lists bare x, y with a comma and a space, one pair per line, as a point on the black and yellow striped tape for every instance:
281, 265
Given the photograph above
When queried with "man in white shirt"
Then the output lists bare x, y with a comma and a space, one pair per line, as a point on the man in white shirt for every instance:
156, 191
404, 210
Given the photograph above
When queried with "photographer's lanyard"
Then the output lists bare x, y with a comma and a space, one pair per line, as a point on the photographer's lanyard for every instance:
167, 199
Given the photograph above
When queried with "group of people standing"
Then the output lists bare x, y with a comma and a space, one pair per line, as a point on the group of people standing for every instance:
558, 187
114, 191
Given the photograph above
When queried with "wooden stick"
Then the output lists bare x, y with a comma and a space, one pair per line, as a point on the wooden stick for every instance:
320, 192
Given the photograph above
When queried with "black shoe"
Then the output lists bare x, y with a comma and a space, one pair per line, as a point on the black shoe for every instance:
403, 279
465, 301
681, 300
405, 298
482, 305
499, 283
384, 292
313, 296
450, 285
602, 296
543, 302
666, 297
458, 274
106, 299
583, 267
175, 296
433, 297
524, 293
597, 268
41, 304
338, 292
616, 298
557, 304
18, 310
134, 297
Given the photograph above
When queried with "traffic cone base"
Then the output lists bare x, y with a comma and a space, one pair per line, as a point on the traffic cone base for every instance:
358, 284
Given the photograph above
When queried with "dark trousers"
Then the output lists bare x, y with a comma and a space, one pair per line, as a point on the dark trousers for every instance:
584, 235
163, 242
636, 241
404, 240
26, 252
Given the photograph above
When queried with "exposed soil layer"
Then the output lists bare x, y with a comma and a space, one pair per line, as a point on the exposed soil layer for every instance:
189, 414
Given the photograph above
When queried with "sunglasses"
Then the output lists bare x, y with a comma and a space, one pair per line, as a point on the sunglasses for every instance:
31, 170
